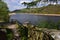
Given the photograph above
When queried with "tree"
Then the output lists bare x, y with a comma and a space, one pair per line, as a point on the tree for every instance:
25, 4
31, 4
3, 11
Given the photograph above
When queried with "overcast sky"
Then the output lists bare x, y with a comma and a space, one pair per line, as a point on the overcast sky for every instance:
16, 4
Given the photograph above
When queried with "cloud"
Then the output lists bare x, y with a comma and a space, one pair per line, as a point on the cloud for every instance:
15, 4
12, 4
24, 1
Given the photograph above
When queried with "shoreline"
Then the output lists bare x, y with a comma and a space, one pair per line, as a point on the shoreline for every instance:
36, 14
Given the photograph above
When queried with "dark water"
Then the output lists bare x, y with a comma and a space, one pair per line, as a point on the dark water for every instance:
34, 19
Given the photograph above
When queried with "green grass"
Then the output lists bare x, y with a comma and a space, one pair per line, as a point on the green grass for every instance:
50, 9
49, 25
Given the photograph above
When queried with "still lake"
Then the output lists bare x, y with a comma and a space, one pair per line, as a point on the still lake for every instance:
34, 19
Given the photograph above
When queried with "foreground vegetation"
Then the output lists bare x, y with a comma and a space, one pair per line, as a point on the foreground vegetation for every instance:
49, 25
29, 30
3, 11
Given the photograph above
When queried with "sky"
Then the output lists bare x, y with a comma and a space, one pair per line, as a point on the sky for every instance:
16, 4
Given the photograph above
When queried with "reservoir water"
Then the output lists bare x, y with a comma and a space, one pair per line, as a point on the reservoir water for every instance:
34, 19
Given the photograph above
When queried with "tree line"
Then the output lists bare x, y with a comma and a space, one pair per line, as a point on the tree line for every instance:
35, 2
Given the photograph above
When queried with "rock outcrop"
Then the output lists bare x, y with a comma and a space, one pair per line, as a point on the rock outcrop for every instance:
35, 33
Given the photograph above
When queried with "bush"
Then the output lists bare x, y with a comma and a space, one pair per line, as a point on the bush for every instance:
50, 24
9, 34
23, 32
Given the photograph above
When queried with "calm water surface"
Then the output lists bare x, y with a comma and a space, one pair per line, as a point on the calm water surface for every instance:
34, 19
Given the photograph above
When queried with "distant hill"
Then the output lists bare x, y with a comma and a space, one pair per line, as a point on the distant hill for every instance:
49, 9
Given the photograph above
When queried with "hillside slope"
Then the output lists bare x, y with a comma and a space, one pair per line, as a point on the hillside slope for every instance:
50, 9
